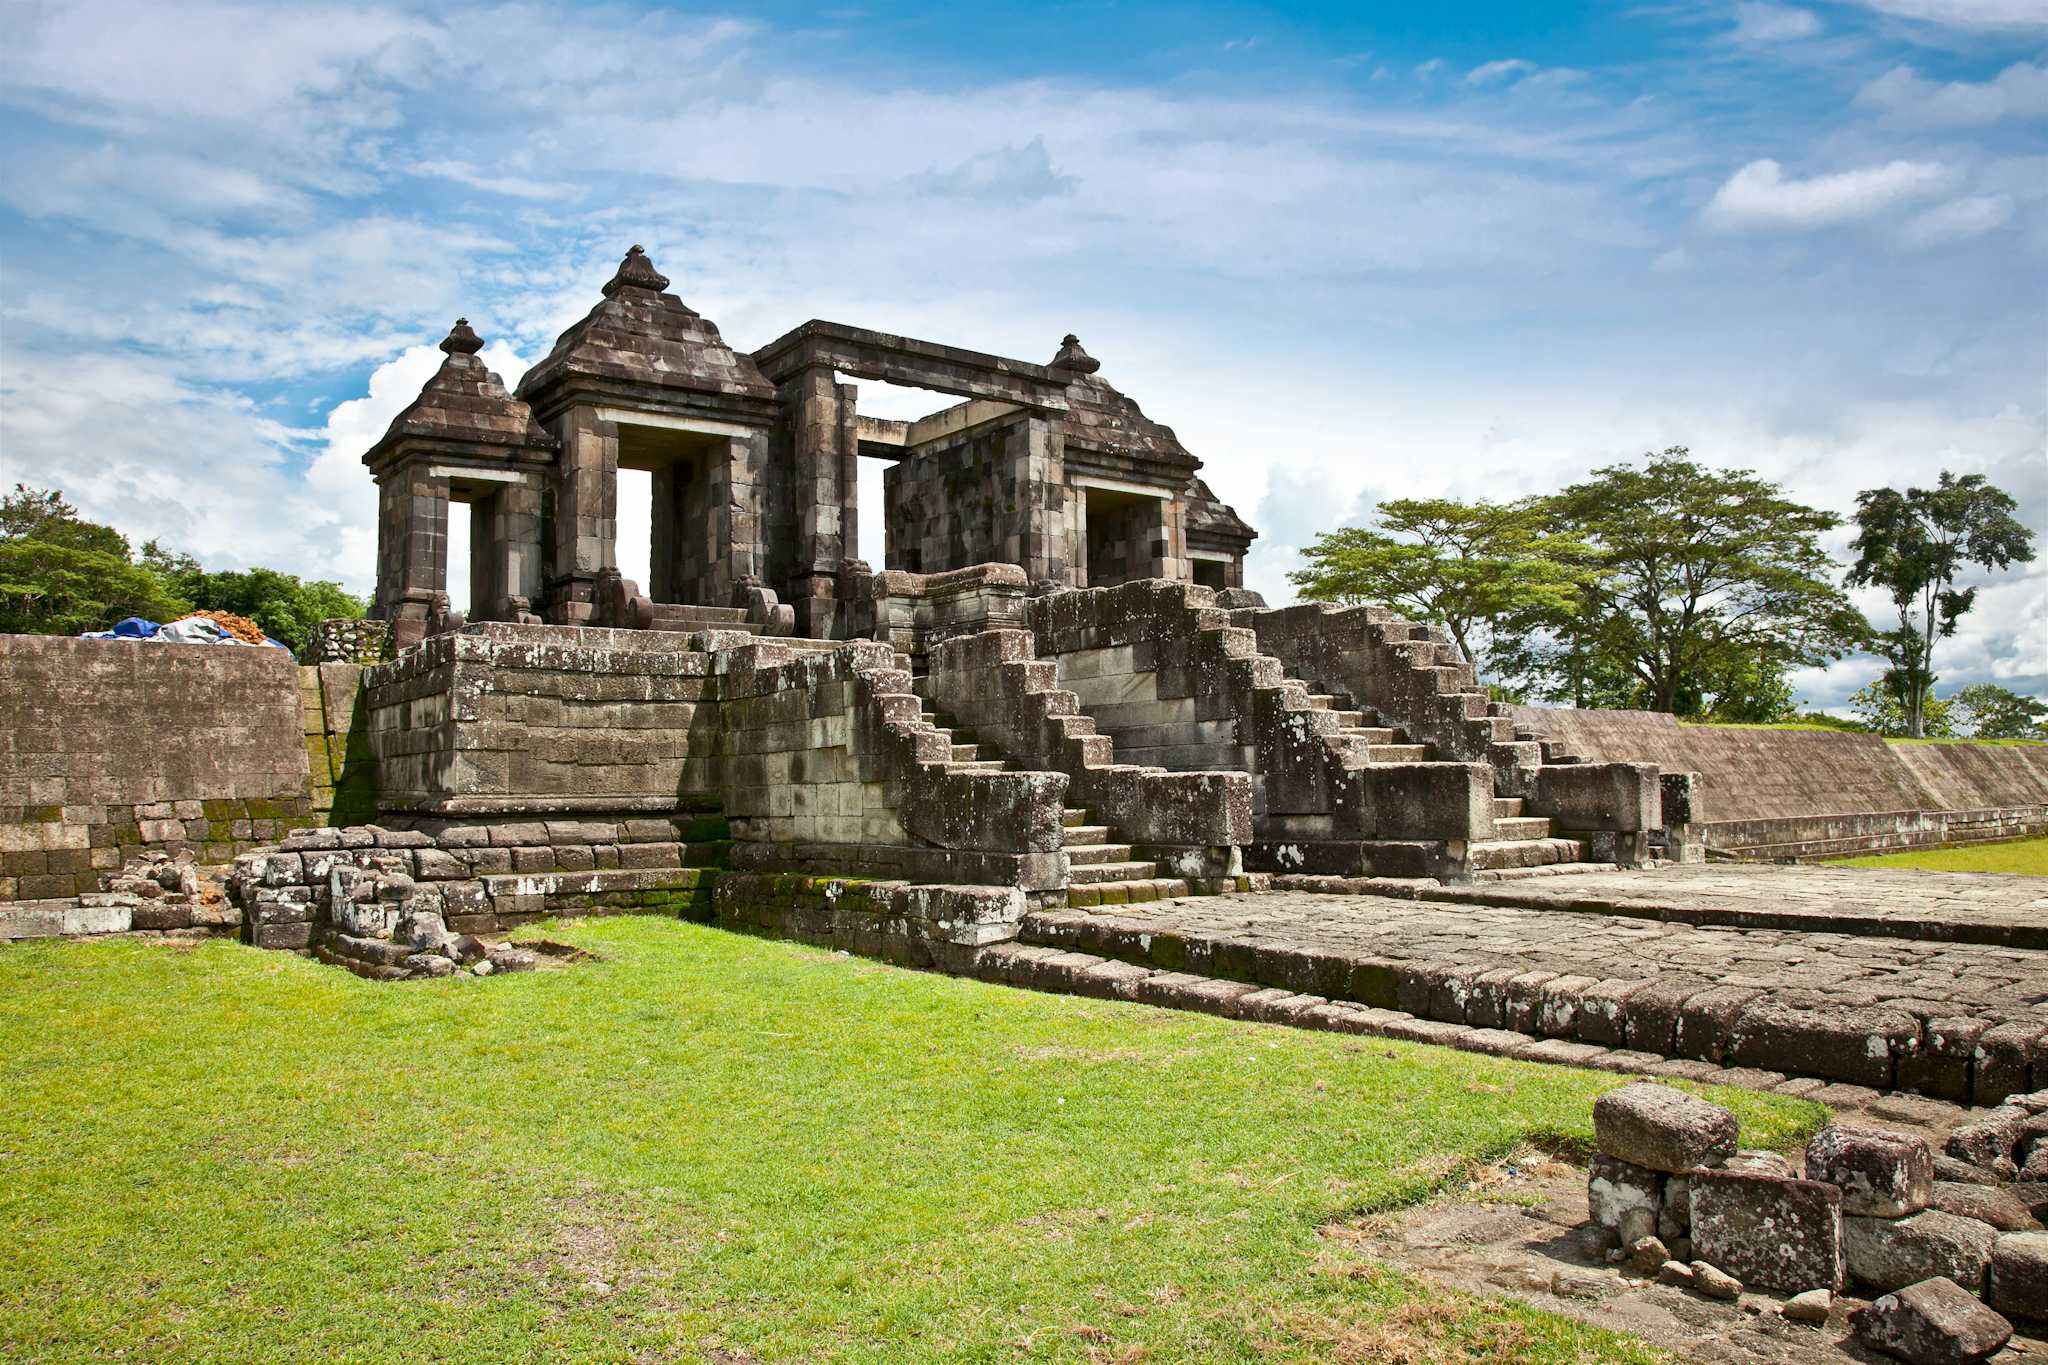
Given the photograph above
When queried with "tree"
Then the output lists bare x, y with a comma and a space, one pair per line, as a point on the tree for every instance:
1988, 711
1880, 712
1707, 581
60, 574
281, 603
1913, 545
1471, 568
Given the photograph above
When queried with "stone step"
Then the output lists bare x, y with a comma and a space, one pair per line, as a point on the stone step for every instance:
1074, 815
1372, 734
668, 614
980, 765
1082, 896
1507, 807
1322, 701
1090, 874
1081, 836
1085, 855
1400, 753
1521, 827
965, 753
1349, 720
1499, 854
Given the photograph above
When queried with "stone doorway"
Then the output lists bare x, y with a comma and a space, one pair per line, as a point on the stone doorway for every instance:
1126, 535
684, 506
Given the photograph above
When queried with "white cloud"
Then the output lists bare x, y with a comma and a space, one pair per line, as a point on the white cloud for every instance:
1957, 220
1972, 14
1505, 69
511, 186
1760, 22
2019, 91
1759, 197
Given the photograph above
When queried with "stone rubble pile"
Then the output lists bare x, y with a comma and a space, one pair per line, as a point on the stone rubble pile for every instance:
162, 892
1951, 1243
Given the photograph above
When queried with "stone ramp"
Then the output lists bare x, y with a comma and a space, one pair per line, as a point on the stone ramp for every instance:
1957, 1021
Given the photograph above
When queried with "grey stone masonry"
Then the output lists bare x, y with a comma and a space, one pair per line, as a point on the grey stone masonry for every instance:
1856, 1011
109, 748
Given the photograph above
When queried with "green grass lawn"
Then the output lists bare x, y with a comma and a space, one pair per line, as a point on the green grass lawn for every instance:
2028, 856
704, 1145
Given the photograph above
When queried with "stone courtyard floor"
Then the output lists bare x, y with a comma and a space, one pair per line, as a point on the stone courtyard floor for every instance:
1685, 971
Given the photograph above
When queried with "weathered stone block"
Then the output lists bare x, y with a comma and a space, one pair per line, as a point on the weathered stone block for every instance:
1769, 1231
1663, 1129
1614, 1187
2019, 1274
1891, 1253
1881, 1173
1935, 1322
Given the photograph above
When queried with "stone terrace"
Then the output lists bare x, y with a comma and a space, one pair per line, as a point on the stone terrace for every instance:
1958, 1021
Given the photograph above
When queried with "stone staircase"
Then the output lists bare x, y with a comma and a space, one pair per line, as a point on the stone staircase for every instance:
1100, 868
1521, 841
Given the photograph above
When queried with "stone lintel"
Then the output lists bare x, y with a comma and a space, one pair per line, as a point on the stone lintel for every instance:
867, 354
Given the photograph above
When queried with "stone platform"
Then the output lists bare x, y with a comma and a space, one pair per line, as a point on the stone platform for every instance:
1965, 1022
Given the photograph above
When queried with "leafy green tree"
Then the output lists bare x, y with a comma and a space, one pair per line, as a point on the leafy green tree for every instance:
1708, 580
1471, 567
1881, 713
61, 575
1988, 711
1913, 545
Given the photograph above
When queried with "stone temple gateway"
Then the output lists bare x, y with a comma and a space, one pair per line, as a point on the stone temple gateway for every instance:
1064, 690
1051, 740
752, 459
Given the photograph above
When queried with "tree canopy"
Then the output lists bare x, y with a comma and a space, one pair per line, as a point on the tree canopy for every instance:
1988, 711
62, 575
1473, 568
1913, 545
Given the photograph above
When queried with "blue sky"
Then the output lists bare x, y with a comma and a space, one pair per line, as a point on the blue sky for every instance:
1349, 252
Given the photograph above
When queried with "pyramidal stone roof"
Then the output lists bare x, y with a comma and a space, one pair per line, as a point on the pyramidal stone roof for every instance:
464, 403
1100, 417
1206, 514
639, 337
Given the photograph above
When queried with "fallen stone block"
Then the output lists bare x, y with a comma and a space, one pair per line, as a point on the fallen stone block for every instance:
1934, 1322
1769, 1231
1662, 1129
1891, 1253
2019, 1274
1882, 1173
1813, 1307
1714, 1282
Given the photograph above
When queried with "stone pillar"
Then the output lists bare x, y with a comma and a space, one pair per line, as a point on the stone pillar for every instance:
1043, 527
412, 550
822, 451
1164, 551
1077, 537
586, 493
504, 549
667, 578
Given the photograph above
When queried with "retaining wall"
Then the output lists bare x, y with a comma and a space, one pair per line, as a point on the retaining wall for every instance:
1811, 793
109, 748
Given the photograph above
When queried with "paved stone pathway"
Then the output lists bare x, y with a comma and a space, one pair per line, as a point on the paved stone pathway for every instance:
1961, 1021
1968, 907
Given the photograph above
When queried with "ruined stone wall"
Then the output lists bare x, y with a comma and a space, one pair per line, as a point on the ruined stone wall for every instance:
1802, 793
989, 493
343, 641
111, 747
